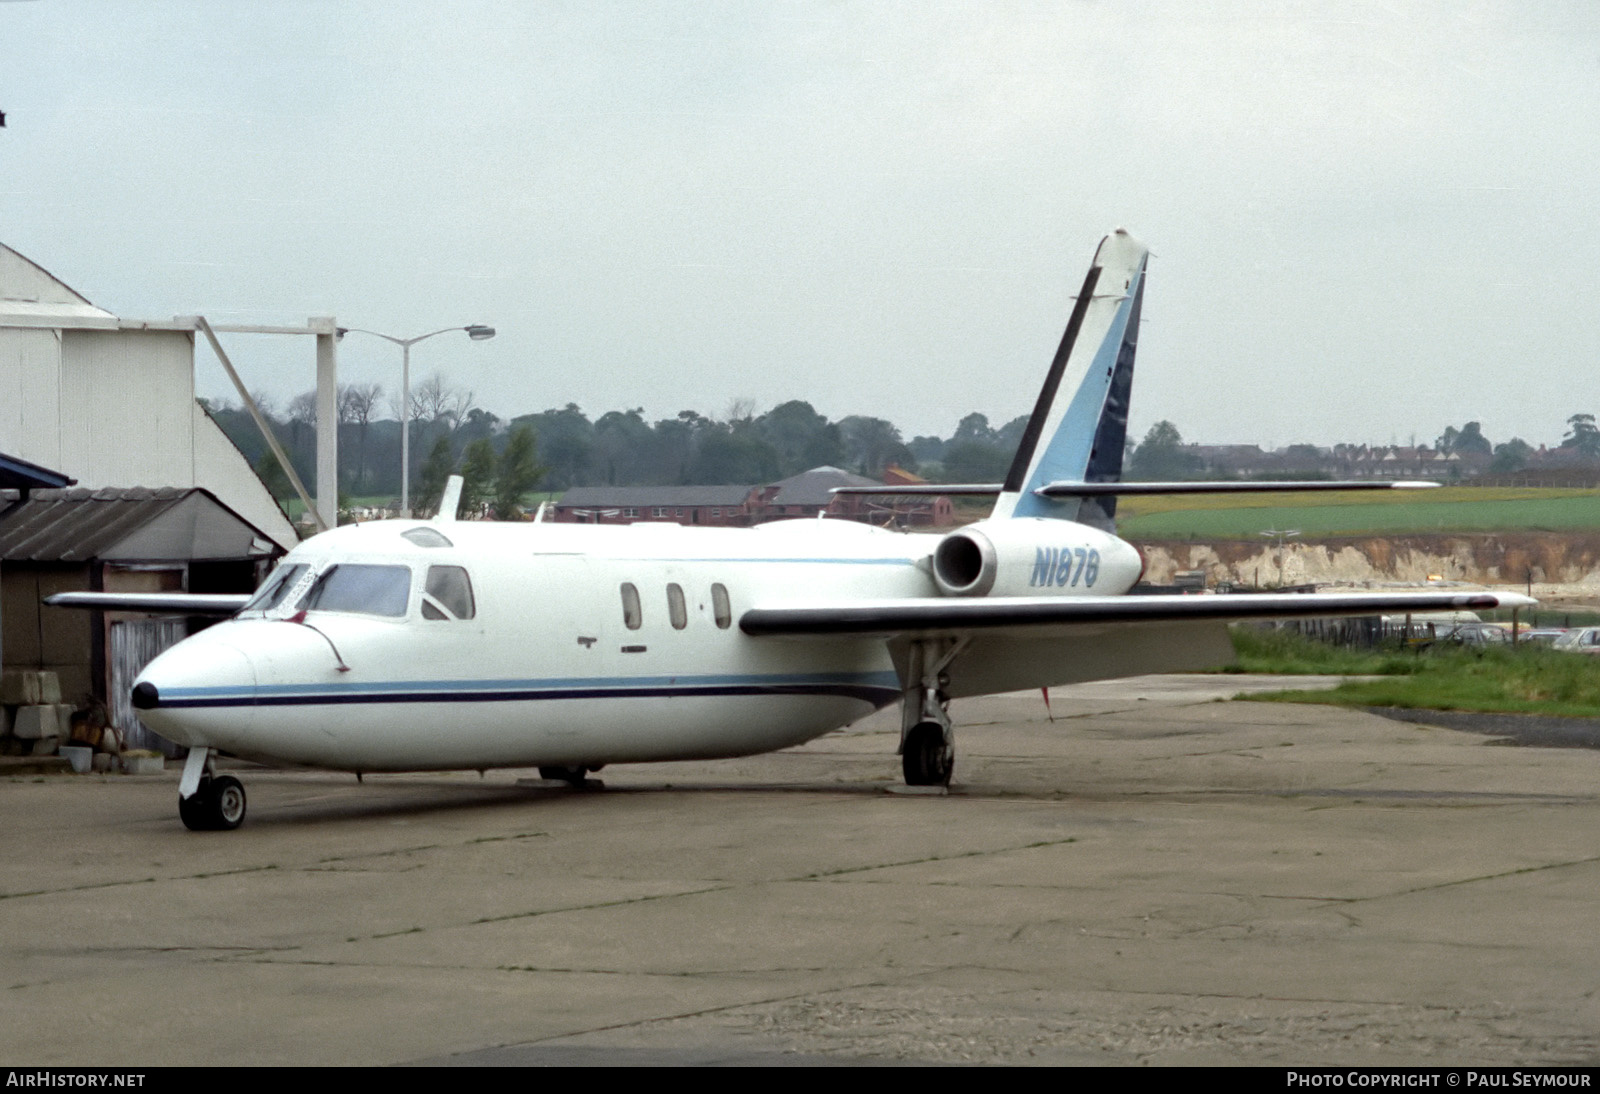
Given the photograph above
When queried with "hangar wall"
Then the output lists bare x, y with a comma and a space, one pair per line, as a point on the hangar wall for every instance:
111, 402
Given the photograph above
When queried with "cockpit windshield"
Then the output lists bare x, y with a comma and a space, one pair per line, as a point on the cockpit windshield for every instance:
361, 587
274, 589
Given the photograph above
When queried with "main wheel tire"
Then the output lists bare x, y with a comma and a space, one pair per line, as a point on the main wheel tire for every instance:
573, 775
926, 759
227, 803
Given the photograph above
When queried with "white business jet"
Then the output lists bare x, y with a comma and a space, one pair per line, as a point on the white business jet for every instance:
409, 645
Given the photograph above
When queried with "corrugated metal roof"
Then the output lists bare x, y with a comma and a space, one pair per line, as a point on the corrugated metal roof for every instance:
124, 523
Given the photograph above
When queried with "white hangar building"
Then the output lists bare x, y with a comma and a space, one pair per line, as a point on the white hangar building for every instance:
111, 402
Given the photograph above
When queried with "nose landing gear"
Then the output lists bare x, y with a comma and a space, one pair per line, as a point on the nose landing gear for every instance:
206, 802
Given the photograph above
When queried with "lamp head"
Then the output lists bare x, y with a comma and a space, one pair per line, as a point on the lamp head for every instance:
479, 333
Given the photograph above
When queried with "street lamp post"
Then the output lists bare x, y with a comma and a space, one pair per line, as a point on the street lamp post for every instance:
475, 331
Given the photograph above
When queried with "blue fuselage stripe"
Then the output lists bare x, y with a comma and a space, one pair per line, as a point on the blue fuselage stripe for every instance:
879, 689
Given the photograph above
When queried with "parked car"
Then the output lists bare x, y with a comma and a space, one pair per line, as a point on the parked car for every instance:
1582, 640
1544, 636
1472, 634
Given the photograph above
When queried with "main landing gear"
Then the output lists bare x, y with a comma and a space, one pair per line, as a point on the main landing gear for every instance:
927, 739
206, 802
574, 776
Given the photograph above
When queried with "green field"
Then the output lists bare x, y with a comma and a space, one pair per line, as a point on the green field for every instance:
1447, 509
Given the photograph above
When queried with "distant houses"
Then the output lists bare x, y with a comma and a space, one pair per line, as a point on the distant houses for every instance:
1341, 461
808, 494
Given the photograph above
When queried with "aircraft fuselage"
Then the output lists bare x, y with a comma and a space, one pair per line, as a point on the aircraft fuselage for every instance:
576, 644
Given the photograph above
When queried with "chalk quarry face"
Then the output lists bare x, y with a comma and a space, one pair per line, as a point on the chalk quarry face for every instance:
1552, 558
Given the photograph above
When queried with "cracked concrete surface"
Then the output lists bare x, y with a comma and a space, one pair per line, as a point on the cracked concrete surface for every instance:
1155, 877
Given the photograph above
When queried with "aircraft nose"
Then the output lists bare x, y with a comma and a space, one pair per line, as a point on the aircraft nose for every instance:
185, 692
191, 670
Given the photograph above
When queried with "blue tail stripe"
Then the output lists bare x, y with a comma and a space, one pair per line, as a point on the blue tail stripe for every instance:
1066, 458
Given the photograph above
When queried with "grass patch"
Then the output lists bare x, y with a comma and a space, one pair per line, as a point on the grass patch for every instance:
1503, 680
1289, 653
1449, 509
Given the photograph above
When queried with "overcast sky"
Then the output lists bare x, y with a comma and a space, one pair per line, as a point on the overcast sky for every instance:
1370, 220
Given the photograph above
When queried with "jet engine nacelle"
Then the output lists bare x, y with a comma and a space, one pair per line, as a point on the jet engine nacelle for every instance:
1034, 557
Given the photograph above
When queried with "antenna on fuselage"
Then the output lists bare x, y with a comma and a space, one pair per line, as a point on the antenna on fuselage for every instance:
450, 502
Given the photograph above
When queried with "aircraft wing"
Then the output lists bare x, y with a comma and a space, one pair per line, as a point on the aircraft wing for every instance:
1045, 616
161, 603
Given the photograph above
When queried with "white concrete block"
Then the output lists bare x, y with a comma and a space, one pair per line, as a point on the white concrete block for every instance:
143, 763
33, 723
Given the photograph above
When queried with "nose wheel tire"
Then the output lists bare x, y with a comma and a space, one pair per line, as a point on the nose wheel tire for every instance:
218, 806
927, 759
573, 775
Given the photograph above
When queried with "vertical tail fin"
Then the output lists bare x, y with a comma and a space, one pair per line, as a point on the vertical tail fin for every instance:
1080, 422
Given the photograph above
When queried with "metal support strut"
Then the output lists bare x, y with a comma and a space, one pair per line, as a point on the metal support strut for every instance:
927, 739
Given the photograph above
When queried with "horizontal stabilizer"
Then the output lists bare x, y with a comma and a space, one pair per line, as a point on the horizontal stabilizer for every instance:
156, 603
972, 489
1128, 489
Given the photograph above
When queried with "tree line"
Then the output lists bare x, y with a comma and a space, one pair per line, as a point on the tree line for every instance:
1164, 455
557, 449
451, 433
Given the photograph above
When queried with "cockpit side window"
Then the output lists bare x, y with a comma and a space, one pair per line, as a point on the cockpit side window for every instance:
275, 588
360, 587
450, 589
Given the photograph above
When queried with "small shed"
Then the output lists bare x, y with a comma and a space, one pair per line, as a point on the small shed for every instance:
114, 540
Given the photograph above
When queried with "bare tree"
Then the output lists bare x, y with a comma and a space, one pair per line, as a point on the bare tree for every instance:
356, 405
357, 402
265, 403
435, 401
303, 408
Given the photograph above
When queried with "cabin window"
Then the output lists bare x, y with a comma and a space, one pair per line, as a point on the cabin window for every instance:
427, 537
274, 589
357, 587
450, 589
632, 616
677, 610
721, 609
